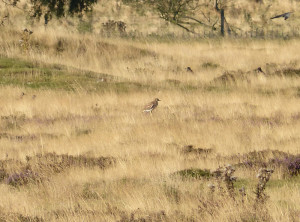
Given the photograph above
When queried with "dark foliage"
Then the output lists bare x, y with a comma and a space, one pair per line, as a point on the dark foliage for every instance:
59, 8
291, 164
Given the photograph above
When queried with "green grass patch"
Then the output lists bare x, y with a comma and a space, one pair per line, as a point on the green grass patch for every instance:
241, 182
21, 73
194, 173
11, 63
278, 183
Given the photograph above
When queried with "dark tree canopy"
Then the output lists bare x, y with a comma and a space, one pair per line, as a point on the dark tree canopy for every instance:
58, 8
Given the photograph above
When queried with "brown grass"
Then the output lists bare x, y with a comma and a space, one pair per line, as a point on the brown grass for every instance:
224, 123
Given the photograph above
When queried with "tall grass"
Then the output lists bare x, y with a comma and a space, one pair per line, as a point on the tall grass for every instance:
88, 104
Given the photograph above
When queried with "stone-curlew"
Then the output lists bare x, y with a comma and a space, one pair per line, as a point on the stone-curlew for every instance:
151, 106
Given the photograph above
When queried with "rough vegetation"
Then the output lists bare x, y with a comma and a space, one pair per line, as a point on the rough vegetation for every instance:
222, 145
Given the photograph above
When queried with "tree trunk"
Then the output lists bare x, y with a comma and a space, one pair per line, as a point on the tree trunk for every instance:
222, 13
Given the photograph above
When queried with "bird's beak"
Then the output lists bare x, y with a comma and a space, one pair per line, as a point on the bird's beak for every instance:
159, 100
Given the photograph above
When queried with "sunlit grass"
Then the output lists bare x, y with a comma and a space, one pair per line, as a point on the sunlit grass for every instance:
84, 96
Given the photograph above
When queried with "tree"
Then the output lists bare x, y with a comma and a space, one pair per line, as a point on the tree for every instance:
188, 14
178, 12
59, 8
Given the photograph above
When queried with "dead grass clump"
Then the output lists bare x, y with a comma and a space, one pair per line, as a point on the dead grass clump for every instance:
294, 215
173, 82
265, 155
153, 216
290, 164
189, 149
296, 116
209, 65
255, 158
61, 45
11, 165
19, 217
292, 72
225, 175
25, 40
272, 68
225, 79
3, 174
39, 167
256, 214
172, 193
12, 121
57, 163
88, 193
209, 206
112, 27
22, 178
274, 120
285, 69
137, 215
18, 137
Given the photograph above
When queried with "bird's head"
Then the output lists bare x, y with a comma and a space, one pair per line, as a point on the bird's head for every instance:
157, 99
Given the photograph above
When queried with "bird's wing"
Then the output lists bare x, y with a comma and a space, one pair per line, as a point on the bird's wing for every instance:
278, 16
149, 106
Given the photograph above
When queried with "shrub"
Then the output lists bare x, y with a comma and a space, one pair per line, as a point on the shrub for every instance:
22, 178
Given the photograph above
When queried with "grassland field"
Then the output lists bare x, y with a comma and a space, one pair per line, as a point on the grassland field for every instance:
75, 144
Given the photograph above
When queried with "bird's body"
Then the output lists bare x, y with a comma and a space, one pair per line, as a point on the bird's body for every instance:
284, 15
22, 95
151, 106
259, 69
27, 31
189, 69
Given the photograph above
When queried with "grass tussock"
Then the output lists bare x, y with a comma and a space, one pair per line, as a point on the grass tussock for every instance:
41, 167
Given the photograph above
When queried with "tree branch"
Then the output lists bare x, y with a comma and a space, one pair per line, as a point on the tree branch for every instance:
185, 28
13, 5
196, 20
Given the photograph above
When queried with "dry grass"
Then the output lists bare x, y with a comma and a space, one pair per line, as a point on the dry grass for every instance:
97, 113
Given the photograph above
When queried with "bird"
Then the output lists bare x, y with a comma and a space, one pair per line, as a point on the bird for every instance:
189, 69
152, 105
259, 69
22, 95
28, 31
284, 15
